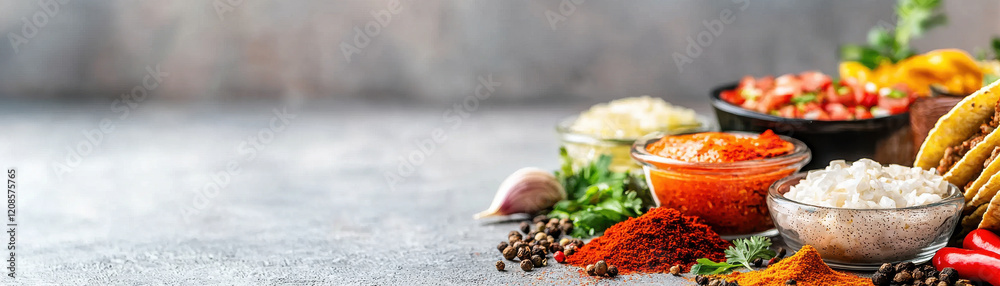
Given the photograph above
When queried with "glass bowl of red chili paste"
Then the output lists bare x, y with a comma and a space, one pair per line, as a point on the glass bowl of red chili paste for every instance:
721, 177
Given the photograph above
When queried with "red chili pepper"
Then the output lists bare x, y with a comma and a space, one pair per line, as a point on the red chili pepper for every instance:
970, 264
982, 239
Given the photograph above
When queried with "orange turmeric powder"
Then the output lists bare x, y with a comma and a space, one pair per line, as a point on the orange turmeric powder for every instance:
805, 267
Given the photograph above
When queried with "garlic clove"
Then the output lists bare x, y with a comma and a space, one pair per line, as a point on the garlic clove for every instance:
527, 190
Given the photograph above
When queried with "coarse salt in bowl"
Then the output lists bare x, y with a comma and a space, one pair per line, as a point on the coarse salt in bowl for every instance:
861, 215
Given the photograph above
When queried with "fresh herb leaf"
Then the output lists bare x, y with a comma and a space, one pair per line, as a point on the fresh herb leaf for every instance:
989, 78
914, 18
995, 44
741, 254
804, 98
896, 94
746, 250
597, 197
708, 267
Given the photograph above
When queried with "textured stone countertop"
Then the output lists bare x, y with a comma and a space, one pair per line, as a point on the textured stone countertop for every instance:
312, 206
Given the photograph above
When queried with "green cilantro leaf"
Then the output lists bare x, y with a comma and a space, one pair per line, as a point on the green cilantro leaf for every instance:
741, 254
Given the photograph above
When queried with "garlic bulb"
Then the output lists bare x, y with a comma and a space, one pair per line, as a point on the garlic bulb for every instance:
527, 190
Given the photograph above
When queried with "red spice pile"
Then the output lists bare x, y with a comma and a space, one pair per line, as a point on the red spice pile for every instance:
653, 242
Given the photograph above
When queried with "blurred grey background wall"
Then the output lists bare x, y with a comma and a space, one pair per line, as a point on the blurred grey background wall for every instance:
433, 51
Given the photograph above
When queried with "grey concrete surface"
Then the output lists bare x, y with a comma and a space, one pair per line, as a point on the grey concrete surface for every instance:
313, 206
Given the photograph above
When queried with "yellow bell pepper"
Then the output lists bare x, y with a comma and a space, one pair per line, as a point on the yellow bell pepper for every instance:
952, 69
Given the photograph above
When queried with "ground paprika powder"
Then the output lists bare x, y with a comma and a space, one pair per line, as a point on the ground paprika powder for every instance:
805, 267
721, 177
720, 147
653, 242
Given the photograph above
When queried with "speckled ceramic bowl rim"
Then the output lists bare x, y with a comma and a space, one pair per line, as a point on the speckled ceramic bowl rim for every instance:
800, 155
954, 195
566, 133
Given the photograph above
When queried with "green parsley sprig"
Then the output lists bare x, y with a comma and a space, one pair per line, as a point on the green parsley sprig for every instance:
741, 254
597, 197
914, 17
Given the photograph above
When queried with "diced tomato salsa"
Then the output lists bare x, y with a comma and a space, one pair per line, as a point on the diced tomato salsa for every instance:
814, 95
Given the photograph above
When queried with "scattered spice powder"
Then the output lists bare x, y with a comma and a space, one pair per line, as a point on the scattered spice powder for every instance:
805, 267
653, 242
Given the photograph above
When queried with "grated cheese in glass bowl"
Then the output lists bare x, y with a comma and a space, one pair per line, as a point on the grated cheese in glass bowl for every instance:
611, 128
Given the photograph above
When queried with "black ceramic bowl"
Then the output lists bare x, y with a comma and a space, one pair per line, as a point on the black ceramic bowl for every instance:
884, 139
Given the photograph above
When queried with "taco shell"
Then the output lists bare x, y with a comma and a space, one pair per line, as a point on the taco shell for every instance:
958, 125
991, 219
972, 221
971, 165
988, 192
984, 178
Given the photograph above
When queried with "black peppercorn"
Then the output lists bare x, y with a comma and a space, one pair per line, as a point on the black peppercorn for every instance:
545, 243
525, 227
716, 282
524, 254
927, 268
555, 247
528, 239
566, 228
948, 275
932, 273
526, 265
675, 270
612, 271
590, 270
963, 282
552, 225
538, 250
512, 239
536, 260
578, 242
553, 231
887, 269
943, 283
540, 218
503, 245
518, 244
918, 274
515, 233
904, 266
600, 268
701, 280
881, 278
781, 252
757, 262
931, 281
500, 265
902, 277
791, 282
918, 283
569, 250
509, 253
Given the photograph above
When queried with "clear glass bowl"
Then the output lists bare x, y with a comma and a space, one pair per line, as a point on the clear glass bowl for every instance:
863, 239
583, 148
729, 197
